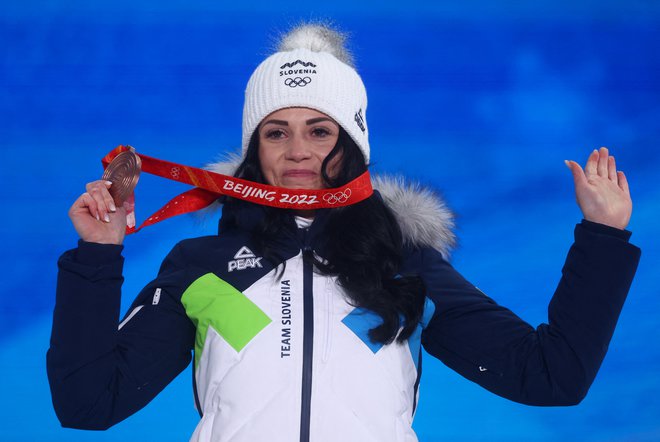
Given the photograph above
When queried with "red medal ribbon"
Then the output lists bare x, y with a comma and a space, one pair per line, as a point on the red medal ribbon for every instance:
209, 185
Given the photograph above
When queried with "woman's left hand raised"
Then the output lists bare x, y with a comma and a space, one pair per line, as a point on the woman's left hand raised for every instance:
601, 191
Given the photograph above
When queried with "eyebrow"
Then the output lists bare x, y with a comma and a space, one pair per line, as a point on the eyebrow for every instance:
318, 120
308, 122
278, 122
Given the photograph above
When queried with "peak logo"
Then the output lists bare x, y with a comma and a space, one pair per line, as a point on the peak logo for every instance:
244, 259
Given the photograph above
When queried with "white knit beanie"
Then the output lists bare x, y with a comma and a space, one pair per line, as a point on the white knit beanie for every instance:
311, 69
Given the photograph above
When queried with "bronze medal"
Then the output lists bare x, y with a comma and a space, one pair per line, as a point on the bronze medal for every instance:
124, 172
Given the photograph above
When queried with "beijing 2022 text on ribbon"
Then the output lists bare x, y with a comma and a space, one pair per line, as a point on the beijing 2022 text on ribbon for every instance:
210, 185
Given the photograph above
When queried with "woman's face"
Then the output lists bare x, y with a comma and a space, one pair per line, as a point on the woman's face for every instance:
293, 143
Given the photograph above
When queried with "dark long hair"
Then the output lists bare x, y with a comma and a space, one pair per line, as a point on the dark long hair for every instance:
362, 245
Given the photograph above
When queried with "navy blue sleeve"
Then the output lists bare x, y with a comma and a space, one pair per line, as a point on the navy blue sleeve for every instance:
101, 372
554, 364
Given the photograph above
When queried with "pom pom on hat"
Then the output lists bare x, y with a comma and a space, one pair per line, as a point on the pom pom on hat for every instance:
317, 38
312, 68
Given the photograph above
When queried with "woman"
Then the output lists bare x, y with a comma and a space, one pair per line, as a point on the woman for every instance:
309, 325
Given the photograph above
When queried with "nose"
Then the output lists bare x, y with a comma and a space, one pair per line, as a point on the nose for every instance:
297, 149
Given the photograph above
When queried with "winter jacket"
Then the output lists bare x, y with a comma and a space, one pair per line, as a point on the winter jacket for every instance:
280, 355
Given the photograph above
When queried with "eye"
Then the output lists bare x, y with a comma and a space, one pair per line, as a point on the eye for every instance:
274, 134
321, 132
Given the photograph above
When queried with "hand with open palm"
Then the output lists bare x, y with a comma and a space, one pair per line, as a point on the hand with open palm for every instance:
601, 191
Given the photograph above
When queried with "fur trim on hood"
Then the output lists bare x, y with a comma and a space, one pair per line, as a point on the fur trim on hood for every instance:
424, 218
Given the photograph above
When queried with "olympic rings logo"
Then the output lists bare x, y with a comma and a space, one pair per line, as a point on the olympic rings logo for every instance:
338, 197
175, 172
297, 81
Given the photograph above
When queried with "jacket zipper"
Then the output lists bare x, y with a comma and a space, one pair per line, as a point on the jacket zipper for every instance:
308, 342
325, 353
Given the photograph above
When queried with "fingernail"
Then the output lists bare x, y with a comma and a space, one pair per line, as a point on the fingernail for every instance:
112, 207
106, 218
567, 164
97, 217
109, 183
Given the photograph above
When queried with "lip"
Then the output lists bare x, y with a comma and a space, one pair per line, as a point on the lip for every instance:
302, 173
